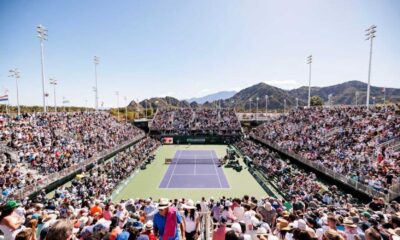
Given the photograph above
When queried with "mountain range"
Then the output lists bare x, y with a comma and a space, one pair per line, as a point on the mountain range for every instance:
213, 97
343, 93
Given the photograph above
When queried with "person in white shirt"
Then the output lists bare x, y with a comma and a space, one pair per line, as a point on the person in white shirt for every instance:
191, 218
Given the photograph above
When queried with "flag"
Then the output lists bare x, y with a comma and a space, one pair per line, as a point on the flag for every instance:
4, 98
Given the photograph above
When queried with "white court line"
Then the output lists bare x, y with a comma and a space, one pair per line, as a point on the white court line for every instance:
199, 174
216, 171
195, 164
173, 170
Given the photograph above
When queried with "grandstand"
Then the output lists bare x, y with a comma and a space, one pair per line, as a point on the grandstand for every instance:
88, 157
216, 138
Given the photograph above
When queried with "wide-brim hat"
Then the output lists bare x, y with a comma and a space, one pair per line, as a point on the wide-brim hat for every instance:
163, 204
349, 223
189, 205
149, 225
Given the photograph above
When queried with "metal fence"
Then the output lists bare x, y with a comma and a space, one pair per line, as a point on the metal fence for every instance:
392, 193
49, 179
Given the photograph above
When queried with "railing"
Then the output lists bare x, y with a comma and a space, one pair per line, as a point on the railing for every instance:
388, 142
28, 190
391, 194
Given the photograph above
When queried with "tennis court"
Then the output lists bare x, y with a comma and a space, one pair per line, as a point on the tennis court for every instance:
194, 169
146, 183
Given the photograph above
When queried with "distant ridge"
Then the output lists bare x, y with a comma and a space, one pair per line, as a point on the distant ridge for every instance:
212, 97
343, 93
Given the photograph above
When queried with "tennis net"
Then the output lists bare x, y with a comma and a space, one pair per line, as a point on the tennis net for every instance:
194, 161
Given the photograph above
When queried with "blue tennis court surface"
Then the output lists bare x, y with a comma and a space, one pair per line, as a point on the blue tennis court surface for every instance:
194, 169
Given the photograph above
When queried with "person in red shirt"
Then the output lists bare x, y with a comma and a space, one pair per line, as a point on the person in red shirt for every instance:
148, 230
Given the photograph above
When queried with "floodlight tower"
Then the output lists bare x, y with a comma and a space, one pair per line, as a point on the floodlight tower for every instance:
14, 73
54, 83
309, 62
370, 36
42, 35
96, 61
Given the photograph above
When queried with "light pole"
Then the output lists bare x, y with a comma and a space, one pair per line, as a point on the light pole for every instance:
250, 103
266, 104
6, 94
126, 110
357, 93
330, 99
284, 105
15, 74
146, 107
64, 102
117, 93
309, 62
384, 95
86, 106
42, 34
297, 102
370, 36
96, 61
257, 107
54, 83
233, 104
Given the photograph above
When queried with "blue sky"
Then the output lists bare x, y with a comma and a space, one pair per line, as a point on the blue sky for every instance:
192, 48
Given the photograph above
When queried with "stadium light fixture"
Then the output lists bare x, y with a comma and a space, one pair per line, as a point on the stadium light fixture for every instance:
309, 62
42, 35
54, 83
14, 73
96, 61
370, 36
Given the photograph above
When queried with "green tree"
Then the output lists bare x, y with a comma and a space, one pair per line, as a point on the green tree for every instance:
316, 101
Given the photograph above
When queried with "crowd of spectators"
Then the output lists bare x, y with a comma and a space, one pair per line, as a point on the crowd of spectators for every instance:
202, 121
47, 143
82, 203
246, 218
348, 140
290, 180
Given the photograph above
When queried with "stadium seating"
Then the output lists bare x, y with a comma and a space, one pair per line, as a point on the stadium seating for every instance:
349, 140
188, 121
